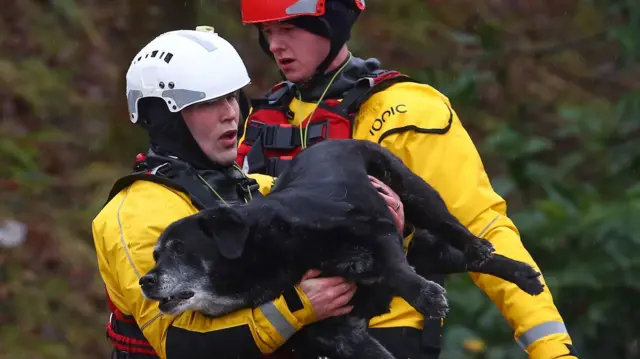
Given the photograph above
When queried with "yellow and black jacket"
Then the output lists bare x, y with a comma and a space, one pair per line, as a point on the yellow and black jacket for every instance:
431, 140
126, 230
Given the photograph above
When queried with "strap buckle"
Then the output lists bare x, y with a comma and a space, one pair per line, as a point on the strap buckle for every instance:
254, 130
278, 137
318, 131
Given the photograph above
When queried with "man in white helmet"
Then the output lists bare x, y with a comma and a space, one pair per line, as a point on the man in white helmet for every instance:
182, 88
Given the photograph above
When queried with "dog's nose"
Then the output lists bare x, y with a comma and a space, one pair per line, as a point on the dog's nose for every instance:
148, 280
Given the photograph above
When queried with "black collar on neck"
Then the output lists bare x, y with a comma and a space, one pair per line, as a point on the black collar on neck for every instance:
356, 69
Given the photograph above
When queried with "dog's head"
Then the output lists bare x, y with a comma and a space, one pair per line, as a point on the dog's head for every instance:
194, 263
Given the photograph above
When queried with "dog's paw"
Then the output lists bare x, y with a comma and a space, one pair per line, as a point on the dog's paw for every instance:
528, 279
479, 252
432, 302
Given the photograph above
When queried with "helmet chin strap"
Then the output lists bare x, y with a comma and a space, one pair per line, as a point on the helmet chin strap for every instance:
335, 47
321, 70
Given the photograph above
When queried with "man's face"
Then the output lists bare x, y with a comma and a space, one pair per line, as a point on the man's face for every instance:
214, 126
297, 52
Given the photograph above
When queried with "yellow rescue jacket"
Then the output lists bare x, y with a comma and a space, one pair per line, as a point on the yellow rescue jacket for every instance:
125, 232
428, 136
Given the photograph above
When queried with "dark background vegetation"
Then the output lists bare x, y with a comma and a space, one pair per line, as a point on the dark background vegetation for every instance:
548, 89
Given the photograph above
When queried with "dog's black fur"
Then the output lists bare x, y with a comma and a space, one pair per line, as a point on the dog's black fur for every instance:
431, 255
323, 213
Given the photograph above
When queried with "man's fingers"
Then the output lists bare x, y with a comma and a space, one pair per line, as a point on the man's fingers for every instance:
344, 298
391, 202
396, 218
311, 273
342, 311
328, 282
343, 288
377, 183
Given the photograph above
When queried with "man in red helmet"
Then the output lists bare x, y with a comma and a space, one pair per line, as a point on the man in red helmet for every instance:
329, 94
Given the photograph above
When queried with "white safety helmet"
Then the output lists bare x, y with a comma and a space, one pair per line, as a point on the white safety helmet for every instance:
184, 67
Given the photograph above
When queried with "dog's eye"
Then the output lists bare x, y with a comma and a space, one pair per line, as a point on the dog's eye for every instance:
178, 248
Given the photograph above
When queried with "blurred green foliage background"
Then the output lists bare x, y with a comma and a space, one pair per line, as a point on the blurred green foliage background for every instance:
548, 89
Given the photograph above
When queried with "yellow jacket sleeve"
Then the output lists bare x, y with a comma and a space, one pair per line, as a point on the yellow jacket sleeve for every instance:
417, 123
125, 232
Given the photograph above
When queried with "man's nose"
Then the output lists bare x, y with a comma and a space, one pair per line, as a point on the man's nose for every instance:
275, 44
230, 111
148, 280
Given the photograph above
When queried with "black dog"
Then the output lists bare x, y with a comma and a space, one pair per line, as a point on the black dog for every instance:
322, 213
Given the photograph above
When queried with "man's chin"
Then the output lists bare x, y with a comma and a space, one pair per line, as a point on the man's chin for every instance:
295, 76
225, 157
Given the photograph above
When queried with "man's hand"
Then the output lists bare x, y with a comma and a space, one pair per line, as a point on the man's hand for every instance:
328, 296
393, 201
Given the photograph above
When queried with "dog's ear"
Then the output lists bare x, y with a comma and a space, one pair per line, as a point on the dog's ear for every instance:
228, 229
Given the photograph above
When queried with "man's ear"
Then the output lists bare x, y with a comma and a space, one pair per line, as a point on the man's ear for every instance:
228, 229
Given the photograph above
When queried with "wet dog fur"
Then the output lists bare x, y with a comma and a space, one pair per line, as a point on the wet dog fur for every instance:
430, 255
323, 213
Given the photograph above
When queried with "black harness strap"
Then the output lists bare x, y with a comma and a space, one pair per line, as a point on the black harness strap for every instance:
126, 181
282, 137
181, 177
368, 86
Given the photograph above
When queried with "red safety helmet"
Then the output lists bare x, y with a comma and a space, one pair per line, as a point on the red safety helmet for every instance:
257, 11
332, 19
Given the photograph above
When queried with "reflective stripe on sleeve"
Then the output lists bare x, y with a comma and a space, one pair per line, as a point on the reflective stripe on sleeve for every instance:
540, 331
279, 322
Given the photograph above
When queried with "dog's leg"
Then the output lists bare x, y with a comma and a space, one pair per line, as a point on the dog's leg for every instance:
343, 337
424, 295
431, 255
425, 208
519, 273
